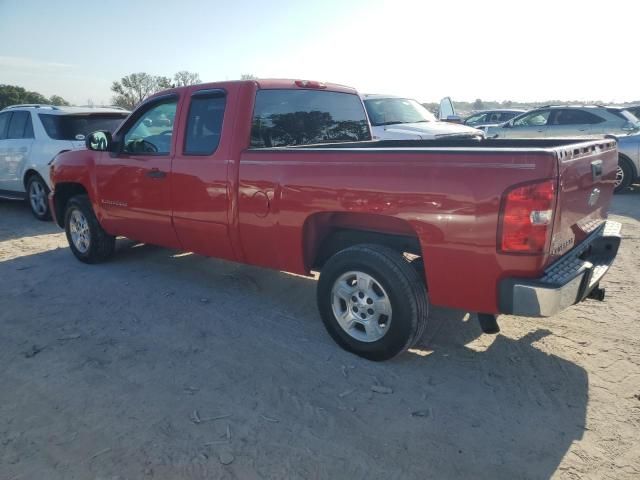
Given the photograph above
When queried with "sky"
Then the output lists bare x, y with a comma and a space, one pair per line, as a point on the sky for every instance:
489, 49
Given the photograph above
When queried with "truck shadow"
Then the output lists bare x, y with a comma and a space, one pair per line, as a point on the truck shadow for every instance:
502, 409
626, 203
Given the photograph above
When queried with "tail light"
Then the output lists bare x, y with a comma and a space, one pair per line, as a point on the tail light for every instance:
527, 217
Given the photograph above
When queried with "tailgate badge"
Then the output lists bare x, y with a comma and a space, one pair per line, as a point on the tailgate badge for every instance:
593, 197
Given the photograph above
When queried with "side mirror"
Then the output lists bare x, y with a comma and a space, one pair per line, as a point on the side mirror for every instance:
454, 118
100, 141
507, 124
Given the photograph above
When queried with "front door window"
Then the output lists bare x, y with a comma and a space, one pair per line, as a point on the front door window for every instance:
152, 132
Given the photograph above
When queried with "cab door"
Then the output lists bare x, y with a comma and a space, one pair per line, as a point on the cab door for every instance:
133, 181
199, 174
15, 148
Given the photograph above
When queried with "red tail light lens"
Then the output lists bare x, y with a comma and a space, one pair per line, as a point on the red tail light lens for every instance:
527, 217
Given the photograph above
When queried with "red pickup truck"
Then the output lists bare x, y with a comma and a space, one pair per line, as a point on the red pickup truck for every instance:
283, 174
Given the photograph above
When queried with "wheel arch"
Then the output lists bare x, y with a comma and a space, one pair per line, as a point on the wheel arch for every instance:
326, 233
631, 164
63, 192
30, 172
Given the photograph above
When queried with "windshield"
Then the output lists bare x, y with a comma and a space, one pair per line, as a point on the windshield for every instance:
77, 127
390, 111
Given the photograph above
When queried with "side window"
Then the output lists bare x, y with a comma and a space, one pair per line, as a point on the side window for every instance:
476, 119
4, 123
572, 116
506, 116
204, 122
20, 125
152, 132
283, 118
538, 118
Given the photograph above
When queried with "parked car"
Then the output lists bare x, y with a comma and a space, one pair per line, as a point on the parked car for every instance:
628, 161
487, 118
398, 118
563, 121
635, 110
281, 174
30, 138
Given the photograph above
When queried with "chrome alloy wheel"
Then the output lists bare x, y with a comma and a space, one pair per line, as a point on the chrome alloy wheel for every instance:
38, 198
619, 176
80, 233
361, 306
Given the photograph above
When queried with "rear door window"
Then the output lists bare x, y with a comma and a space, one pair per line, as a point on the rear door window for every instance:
572, 116
204, 122
303, 117
20, 126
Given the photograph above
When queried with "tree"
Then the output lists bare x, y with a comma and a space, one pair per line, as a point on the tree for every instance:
184, 78
58, 100
134, 88
14, 95
248, 76
478, 104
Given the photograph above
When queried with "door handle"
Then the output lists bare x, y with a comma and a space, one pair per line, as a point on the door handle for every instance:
155, 173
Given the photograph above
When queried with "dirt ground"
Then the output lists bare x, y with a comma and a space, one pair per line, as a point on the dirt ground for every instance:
171, 366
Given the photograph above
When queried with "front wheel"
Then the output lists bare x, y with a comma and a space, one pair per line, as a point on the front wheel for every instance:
38, 194
372, 301
87, 239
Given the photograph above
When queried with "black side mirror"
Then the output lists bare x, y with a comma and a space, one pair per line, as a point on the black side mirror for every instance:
507, 124
100, 141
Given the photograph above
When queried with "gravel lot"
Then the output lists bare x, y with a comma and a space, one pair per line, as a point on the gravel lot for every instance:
171, 366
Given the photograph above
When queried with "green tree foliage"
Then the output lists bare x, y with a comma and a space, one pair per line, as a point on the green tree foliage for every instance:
134, 88
184, 78
14, 95
478, 105
58, 100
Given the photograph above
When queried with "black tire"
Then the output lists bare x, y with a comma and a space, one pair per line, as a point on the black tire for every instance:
627, 174
403, 285
101, 245
40, 208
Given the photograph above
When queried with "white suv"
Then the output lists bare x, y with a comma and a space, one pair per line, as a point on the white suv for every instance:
30, 138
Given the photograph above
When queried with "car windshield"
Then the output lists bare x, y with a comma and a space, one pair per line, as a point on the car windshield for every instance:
77, 127
390, 111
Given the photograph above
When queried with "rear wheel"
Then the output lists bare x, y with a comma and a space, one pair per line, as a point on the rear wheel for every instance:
624, 175
372, 301
87, 239
38, 195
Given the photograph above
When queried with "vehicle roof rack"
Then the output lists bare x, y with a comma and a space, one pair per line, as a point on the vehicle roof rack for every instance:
32, 105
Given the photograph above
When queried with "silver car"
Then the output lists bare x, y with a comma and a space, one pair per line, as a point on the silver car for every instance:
628, 161
563, 121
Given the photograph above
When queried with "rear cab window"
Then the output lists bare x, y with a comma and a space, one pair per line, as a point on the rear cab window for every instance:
77, 127
289, 117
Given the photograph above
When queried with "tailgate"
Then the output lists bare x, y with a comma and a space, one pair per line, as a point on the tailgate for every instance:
587, 173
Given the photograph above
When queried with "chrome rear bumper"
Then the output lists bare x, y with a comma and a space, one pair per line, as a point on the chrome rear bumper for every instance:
567, 281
